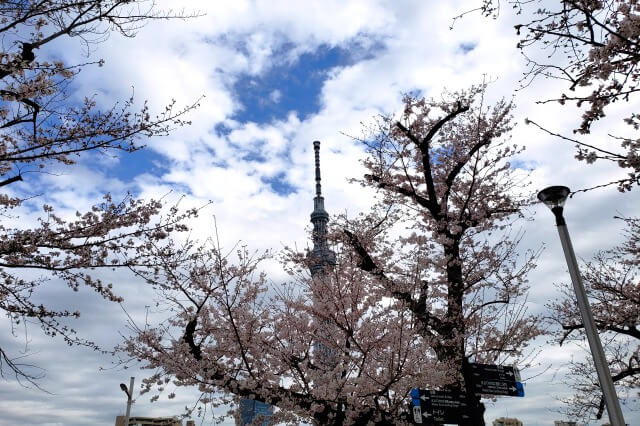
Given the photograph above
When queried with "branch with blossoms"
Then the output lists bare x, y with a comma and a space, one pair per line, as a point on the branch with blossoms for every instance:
41, 126
602, 48
588, 401
591, 43
110, 236
593, 46
601, 45
38, 128
427, 321
589, 153
78, 130
90, 20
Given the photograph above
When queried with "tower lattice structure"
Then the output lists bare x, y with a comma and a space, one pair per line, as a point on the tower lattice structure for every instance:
321, 256
321, 259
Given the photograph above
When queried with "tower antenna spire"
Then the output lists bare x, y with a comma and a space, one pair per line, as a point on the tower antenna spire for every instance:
316, 148
321, 255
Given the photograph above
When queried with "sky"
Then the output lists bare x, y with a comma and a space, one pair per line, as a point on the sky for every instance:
275, 76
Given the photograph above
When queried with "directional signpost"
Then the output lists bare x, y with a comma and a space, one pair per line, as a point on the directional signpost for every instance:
432, 406
440, 406
495, 380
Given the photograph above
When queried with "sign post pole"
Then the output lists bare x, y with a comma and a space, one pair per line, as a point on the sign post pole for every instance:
476, 408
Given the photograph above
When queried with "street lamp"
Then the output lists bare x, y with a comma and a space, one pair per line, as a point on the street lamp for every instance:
554, 198
129, 393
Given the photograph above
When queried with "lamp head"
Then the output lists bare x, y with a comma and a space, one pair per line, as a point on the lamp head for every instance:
124, 388
554, 196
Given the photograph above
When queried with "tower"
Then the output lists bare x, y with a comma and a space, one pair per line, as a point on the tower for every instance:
250, 409
321, 255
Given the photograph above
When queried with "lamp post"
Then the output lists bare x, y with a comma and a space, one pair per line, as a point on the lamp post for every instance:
129, 393
554, 198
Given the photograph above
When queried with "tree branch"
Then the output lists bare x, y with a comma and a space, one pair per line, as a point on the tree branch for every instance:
418, 308
424, 149
403, 191
11, 180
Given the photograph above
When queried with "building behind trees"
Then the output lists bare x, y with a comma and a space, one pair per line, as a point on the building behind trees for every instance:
506, 421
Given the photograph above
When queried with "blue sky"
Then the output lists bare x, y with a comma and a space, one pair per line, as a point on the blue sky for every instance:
277, 75
290, 86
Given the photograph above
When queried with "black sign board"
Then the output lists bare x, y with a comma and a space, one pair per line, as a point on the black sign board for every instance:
496, 380
432, 406
503, 373
492, 387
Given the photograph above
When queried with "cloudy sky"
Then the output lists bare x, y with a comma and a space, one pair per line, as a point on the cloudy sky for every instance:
275, 76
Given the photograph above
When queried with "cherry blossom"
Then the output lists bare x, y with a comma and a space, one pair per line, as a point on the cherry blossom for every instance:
38, 130
594, 47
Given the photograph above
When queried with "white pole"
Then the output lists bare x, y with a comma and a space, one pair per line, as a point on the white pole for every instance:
129, 397
599, 359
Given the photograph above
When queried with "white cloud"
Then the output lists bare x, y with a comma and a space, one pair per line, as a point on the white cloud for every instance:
275, 96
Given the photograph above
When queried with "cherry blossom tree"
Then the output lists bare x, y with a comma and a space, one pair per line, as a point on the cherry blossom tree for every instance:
231, 336
40, 126
593, 46
424, 282
611, 280
443, 166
